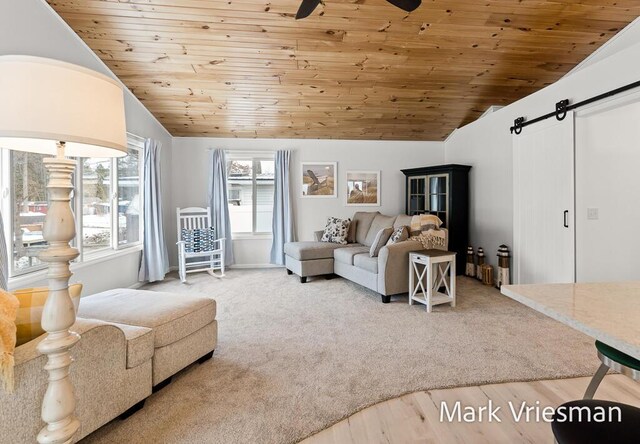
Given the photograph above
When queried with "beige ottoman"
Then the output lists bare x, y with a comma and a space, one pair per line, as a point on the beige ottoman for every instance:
184, 326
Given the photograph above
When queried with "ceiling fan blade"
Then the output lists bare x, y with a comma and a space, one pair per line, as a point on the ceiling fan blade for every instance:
307, 7
406, 5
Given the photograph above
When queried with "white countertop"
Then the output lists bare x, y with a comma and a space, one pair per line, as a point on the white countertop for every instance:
608, 312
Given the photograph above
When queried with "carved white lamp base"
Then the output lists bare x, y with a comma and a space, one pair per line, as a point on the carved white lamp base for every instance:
59, 313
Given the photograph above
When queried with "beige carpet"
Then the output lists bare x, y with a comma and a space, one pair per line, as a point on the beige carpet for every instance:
295, 358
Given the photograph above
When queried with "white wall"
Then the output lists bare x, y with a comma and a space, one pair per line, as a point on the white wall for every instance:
96, 276
31, 27
486, 144
607, 161
624, 39
190, 170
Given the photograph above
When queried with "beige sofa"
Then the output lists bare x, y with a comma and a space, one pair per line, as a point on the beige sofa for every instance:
387, 274
144, 338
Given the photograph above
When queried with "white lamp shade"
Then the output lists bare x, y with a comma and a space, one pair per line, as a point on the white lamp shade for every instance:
45, 101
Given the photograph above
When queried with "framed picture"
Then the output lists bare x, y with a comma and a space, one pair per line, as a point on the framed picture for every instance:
363, 188
319, 179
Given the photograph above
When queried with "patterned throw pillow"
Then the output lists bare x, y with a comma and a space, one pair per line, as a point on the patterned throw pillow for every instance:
380, 241
30, 311
336, 230
198, 240
424, 222
400, 235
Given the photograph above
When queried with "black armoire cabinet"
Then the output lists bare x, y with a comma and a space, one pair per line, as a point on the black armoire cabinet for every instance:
442, 190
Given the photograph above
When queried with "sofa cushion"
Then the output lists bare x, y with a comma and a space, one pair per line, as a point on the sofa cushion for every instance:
140, 343
380, 241
379, 222
171, 316
304, 251
366, 262
364, 220
402, 220
345, 255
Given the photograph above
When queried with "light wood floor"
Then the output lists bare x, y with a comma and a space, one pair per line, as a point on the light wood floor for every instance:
415, 418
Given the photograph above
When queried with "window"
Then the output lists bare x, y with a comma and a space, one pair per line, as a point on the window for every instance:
111, 218
96, 204
28, 210
250, 191
129, 198
108, 216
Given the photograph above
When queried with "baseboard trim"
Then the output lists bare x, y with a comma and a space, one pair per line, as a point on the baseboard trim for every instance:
241, 266
136, 285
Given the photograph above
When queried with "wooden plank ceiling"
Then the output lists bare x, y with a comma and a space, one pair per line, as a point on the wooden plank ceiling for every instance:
355, 69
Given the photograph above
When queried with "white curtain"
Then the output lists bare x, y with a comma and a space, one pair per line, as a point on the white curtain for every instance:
155, 259
283, 226
218, 201
4, 260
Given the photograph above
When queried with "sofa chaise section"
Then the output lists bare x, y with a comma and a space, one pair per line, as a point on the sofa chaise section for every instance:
310, 258
185, 327
111, 375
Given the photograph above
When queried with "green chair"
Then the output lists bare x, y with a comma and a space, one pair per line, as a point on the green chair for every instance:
583, 428
615, 360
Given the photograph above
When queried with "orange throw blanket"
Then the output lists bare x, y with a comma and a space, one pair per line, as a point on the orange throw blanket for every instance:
8, 312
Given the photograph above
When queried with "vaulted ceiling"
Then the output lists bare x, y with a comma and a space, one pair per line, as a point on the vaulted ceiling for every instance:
355, 69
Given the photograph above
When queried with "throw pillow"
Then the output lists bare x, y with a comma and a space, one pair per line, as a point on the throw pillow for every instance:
351, 235
198, 240
30, 311
424, 222
336, 230
380, 241
400, 235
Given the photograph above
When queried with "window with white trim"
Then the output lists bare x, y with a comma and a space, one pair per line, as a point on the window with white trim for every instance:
250, 189
108, 218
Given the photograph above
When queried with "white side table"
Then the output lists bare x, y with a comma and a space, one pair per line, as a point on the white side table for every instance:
432, 265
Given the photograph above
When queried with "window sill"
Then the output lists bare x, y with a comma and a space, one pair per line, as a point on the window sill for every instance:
29, 278
249, 236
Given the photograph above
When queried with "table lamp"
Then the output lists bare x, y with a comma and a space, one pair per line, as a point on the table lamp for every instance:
56, 108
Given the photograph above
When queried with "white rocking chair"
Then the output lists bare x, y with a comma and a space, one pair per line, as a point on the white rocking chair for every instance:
198, 218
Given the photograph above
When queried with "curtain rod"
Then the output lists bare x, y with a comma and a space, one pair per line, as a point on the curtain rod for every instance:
563, 106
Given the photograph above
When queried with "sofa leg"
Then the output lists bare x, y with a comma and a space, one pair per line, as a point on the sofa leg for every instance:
132, 410
156, 388
205, 358
385, 299
303, 279
289, 272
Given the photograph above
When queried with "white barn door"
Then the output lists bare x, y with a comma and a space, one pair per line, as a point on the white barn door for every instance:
544, 202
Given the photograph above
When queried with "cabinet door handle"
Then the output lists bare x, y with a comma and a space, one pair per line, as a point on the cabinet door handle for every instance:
566, 218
